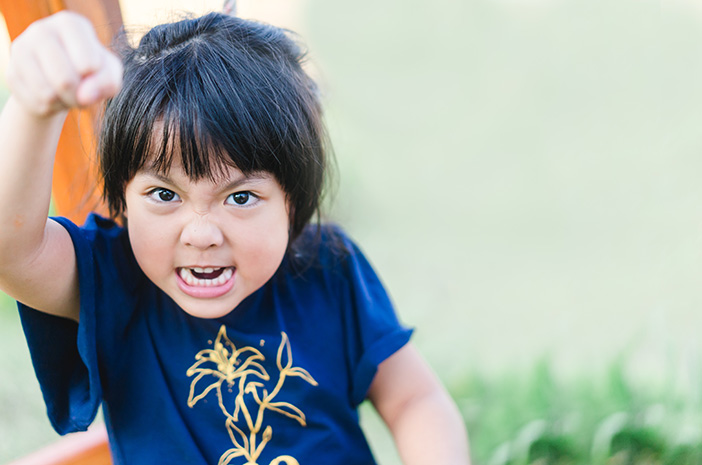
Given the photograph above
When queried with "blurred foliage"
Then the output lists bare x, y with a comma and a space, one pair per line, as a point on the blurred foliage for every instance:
536, 419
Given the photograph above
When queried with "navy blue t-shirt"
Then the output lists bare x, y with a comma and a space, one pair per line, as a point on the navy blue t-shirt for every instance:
277, 380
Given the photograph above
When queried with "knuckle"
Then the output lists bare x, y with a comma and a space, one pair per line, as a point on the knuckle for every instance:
65, 83
42, 102
87, 64
65, 16
18, 47
42, 26
45, 98
75, 20
31, 29
42, 107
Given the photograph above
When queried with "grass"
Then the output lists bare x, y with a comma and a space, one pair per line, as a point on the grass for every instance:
537, 419
23, 423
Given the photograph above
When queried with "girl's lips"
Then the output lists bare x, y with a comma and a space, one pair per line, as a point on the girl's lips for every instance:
221, 281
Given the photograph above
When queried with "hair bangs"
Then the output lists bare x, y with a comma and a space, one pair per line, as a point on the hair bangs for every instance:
206, 124
212, 93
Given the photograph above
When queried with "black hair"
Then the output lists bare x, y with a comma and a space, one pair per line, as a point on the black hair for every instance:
217, 91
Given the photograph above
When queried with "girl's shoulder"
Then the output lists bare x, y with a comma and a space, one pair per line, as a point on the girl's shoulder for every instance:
321, 245
328, 250
94, 227
104, 243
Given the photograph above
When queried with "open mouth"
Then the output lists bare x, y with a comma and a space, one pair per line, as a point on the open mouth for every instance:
206, 283
207, 277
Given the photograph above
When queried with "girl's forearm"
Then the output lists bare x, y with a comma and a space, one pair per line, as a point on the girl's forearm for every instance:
55, 64
422, 417
430, 430
26, 166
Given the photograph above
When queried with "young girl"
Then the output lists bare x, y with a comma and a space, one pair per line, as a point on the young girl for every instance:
216, 326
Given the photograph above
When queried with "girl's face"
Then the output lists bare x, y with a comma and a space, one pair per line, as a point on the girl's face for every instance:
208, 245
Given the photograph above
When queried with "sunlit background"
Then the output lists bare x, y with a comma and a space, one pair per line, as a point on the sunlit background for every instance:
525, 176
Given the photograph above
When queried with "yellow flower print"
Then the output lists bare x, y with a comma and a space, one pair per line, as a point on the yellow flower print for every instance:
284, 362
225, 363
230, 367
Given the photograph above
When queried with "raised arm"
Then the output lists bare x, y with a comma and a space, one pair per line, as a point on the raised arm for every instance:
420, 414
56, 64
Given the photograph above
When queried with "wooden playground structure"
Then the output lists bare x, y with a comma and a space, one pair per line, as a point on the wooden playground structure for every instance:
75, 190
88, 448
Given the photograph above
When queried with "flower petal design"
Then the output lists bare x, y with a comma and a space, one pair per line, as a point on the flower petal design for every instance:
252, 388
225, 362
192, 398
202, 357
253, 368
223, 341
257, 355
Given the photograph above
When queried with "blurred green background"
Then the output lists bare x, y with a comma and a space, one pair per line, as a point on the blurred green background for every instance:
524, 174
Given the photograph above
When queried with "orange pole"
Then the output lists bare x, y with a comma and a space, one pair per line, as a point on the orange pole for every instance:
75, 187
87, 448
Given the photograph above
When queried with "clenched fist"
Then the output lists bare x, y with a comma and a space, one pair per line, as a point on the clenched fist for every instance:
58, 63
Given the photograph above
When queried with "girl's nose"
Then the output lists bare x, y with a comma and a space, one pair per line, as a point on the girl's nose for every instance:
202, 234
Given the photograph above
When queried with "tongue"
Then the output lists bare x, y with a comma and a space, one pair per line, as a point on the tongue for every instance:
213, 275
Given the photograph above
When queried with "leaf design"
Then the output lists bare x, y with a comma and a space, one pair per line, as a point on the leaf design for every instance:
238, 406
267, 435
229, 455
289, 410
284, 353
233, 431
302, 373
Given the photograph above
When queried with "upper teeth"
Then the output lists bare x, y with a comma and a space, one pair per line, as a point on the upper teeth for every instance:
187, 275
203, 270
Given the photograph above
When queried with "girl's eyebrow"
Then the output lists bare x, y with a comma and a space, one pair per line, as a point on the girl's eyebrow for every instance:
155, 174
254, 177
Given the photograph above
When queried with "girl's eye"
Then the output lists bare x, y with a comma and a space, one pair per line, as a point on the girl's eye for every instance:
163, 195
243, 198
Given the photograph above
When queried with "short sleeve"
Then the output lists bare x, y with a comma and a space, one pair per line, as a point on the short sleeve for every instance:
374, 331
63, 352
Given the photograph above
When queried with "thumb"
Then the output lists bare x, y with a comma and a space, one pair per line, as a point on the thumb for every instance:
104, 83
